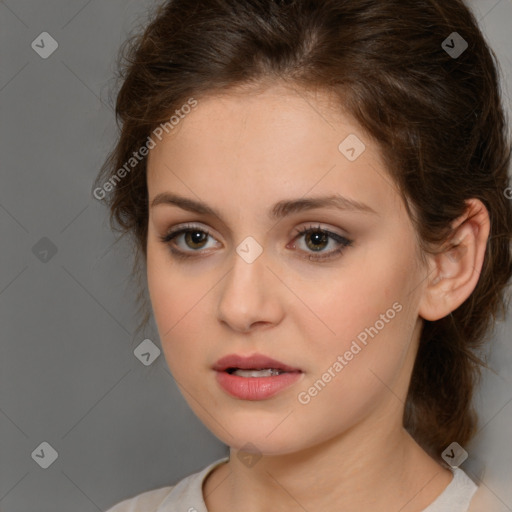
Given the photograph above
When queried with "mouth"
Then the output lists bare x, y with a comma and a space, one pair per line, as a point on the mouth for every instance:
253, 366
266, 372
255, 377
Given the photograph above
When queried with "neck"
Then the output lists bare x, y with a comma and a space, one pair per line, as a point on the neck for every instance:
358, 471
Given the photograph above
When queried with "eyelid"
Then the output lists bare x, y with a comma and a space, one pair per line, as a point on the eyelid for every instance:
317, 226
185, 227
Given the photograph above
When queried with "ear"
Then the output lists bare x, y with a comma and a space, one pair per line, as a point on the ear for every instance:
454, 272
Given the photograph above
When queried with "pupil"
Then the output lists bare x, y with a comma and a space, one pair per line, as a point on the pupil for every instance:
318, 238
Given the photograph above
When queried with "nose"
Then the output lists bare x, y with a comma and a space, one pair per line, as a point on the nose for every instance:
249, 295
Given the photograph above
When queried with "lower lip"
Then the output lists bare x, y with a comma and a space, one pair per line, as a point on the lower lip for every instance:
256, 388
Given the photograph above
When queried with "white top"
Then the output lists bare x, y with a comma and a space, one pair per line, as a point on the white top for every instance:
187, 495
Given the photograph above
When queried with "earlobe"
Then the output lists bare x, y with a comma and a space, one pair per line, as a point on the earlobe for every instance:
455, 271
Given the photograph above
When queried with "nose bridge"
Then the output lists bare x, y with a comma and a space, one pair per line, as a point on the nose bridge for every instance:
246, 276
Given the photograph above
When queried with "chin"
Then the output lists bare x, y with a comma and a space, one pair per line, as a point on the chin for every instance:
259, 438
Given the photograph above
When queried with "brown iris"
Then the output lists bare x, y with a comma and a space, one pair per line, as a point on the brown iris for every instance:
316, 237
195, 239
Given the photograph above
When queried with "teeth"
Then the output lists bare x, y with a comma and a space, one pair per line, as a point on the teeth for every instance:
269, 372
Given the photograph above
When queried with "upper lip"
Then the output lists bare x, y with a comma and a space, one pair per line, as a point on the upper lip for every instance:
253, 362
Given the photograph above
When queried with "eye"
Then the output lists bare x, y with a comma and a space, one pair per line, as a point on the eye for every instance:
317, 239
195, 238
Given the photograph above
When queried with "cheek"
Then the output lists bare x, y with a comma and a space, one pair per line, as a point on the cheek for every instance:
180, 310
357, 300
175, 322
351, 379
178, 303
365, 315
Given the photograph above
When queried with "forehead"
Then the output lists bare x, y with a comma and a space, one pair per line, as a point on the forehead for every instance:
261, 124
266, 146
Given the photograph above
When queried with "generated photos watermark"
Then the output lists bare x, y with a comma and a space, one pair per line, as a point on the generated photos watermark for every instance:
101, 192
304, 397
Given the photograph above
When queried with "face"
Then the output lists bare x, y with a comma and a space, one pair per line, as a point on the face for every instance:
330, 290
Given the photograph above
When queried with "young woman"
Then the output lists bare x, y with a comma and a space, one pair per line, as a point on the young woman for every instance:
317, 193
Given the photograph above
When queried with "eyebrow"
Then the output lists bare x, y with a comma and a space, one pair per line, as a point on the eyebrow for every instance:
279, 210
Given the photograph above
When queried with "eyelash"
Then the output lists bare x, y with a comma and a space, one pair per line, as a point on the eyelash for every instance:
343, 241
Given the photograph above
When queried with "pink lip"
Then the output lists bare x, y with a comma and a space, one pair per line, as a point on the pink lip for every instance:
254, 388
253, 362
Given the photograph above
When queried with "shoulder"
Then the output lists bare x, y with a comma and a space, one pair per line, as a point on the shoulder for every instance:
148, 501
186, 491
457, 496
464, 495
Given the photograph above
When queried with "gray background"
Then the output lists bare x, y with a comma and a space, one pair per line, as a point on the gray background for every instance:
68, 374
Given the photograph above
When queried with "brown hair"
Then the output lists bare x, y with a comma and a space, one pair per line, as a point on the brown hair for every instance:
436, 116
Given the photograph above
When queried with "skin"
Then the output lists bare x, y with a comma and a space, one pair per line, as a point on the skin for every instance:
346, 449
